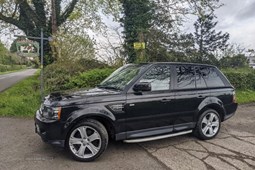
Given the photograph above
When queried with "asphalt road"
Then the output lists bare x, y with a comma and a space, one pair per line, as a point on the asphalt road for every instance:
232, 149
7, 80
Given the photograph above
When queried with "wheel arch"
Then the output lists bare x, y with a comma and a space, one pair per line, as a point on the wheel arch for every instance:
211, 103
107, 122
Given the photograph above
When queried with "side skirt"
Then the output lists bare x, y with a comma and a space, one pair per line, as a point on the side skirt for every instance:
157, 137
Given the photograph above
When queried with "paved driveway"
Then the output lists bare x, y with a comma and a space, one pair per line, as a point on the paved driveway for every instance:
234, 148
7, 80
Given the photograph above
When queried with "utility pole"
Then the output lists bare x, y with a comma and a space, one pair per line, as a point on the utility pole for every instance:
42, 68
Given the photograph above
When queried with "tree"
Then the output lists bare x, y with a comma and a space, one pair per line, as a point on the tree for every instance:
3, 50
239, 60
110, 48
156, 22
74, 47
30, 16
136, 21
207, 39
6, 58
176, 47
13, 48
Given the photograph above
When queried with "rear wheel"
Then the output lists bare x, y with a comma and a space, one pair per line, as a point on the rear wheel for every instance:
88, 140
208, 125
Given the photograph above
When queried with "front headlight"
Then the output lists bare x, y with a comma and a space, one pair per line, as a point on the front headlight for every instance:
52, 113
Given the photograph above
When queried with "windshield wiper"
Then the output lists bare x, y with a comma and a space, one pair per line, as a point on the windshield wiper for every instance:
108, 87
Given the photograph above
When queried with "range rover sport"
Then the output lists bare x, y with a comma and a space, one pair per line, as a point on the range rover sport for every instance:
138, 103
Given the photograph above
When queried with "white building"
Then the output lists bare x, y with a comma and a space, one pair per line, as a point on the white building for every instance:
252, 61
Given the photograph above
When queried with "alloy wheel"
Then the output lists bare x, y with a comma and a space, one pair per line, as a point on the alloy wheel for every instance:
85, 142
210, 124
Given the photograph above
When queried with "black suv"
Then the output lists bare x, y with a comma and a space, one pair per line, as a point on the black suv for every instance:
138, 103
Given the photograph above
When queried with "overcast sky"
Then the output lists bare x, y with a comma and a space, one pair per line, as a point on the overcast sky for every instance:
237, 17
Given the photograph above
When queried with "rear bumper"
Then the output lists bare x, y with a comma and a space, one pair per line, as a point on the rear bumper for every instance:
230, 110
50, 131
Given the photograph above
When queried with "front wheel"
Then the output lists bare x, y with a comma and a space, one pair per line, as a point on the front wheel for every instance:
87, 140
208, 125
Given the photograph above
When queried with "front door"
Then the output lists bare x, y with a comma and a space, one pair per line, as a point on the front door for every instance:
148, 113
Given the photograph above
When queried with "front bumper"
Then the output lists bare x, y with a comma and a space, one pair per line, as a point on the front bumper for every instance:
50, 131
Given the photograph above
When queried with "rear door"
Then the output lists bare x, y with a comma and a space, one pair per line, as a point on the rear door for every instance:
187, 98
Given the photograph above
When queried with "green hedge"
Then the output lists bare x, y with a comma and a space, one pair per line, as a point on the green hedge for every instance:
65, 78
90, 78
59, 75
4, 68
61, 78
241, 79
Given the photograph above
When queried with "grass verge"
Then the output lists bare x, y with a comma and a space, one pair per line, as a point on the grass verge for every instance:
245, 96
7, 72
21, 100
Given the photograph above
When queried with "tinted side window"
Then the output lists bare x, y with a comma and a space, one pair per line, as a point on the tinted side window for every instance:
211, 77
185, 77
158, 77
200, 81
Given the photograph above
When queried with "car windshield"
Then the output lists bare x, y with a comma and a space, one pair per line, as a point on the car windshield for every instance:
121, 77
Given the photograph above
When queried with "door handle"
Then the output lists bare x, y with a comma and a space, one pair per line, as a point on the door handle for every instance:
200, 96
165, 100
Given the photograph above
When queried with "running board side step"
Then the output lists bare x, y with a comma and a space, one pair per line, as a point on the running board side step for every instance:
157, 137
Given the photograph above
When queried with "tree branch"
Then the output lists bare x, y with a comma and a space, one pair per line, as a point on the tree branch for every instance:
10, 20
25, 22
40, 10
58, 8
67, 12
30, 13
15, 10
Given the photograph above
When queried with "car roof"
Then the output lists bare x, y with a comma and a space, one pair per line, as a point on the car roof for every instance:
178, 63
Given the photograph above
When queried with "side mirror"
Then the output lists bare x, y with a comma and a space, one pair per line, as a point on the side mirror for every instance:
140, 87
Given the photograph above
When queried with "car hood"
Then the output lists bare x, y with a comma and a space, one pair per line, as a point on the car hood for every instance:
81, 97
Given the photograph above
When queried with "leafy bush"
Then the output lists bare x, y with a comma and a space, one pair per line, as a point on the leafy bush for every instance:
241, 78
59, 74
4, 68
90, 78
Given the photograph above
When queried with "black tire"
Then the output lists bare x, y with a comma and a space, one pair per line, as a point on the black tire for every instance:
199, 127
101, 131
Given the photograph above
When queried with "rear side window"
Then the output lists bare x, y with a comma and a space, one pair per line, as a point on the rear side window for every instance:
185, 77
211, 77
200, 81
